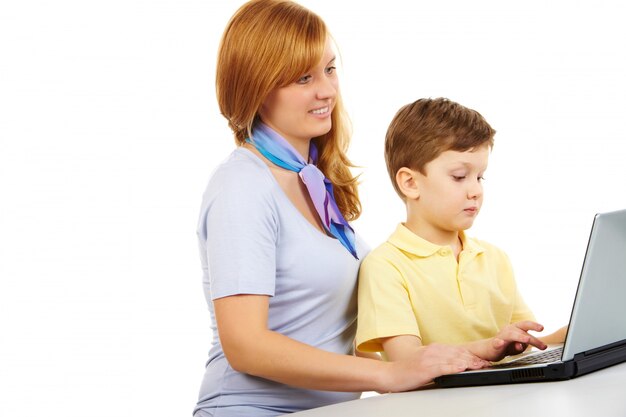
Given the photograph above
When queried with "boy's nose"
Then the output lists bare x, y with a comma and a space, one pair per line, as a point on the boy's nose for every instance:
475, 191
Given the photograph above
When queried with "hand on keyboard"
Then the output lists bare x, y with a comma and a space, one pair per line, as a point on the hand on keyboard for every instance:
510, 340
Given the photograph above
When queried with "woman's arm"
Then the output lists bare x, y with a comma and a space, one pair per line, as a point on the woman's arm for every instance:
252, 348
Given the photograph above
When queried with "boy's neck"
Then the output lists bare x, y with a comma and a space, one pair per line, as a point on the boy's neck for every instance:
436, 236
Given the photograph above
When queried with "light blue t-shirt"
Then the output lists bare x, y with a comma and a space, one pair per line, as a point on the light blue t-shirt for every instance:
254, 241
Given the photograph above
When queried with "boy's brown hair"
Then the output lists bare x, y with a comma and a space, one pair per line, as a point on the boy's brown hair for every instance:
422, 130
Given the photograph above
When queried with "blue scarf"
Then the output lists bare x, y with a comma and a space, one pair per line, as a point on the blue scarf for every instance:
276, 149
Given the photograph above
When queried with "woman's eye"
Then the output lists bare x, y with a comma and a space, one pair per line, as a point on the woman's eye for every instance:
304, 79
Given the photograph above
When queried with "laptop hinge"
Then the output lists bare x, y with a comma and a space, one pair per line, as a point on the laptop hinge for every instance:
599, 358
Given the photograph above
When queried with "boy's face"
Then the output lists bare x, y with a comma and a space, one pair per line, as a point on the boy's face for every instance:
450, 194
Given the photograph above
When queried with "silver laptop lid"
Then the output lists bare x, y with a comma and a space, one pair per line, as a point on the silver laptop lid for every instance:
599, 312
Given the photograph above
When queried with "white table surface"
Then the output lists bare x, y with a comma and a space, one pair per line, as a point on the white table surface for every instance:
599, 394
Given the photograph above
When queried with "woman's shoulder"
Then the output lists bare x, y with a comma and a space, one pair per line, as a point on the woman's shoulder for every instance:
240, 182
241, 162
241, 171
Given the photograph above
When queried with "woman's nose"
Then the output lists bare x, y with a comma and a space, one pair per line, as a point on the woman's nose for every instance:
326, 88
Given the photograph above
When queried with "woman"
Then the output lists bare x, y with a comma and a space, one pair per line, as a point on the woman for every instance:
279, 257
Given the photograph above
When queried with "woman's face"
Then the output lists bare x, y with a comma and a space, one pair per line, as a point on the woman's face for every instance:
301, 110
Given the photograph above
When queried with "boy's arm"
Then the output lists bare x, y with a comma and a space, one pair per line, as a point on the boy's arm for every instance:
384, 307
556, 337
369, 355
514, 339
401, 347
511, 340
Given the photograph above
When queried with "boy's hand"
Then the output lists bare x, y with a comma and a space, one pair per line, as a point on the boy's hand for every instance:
511, 340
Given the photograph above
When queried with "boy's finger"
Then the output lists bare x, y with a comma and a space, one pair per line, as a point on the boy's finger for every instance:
529, 325
537, 343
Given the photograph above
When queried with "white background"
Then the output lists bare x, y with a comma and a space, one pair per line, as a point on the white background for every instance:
109, 130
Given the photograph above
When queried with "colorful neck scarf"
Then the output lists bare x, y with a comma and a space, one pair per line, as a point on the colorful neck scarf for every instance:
276, 148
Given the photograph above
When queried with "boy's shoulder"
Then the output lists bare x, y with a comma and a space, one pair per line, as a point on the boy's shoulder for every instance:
392, 253
484, 246
489, 252
383, 254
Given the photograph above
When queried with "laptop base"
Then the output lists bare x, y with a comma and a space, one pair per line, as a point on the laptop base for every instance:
582, 364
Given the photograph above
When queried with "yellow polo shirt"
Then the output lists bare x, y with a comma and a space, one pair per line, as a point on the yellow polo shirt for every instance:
409, 286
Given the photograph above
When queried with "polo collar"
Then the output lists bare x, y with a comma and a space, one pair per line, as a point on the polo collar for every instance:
407, 241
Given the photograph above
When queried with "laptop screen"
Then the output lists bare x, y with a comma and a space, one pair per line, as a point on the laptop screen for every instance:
600, 305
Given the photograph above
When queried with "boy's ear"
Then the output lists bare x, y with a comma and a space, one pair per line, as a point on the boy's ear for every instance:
407, 183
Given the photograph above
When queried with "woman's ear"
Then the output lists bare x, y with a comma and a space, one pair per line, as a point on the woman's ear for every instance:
406, 179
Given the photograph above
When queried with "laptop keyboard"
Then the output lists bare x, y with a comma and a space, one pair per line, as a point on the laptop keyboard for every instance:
539, 358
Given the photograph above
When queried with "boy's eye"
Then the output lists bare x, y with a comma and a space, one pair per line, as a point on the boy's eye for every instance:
304, 79
481, 178
330, 70
458, 178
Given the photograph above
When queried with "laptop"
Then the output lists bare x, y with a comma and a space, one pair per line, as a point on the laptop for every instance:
596, 336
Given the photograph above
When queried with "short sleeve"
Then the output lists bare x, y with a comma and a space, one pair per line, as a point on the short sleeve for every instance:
239, 224
384, 308
521, 311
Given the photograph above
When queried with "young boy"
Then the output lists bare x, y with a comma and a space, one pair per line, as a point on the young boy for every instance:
430, 282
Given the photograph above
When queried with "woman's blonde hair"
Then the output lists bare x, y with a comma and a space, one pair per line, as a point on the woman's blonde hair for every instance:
269, 44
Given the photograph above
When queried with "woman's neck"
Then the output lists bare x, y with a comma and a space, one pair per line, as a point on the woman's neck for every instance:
301, 145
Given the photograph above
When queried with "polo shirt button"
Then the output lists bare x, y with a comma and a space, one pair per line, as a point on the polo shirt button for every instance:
444, 252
